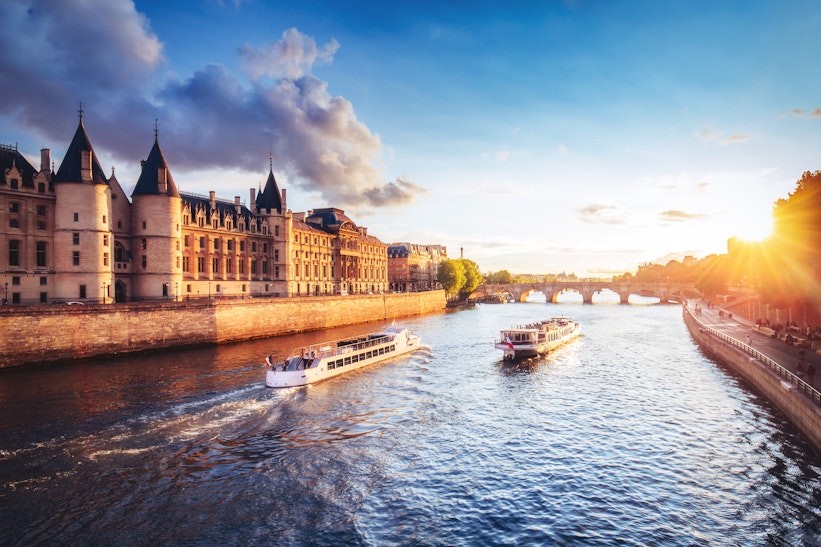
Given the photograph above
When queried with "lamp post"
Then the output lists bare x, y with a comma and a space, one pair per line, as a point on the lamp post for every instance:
176, 291
104, 294
6, 294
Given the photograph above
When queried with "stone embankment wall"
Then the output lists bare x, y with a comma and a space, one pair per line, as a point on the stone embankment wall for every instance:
782, 394
39, 334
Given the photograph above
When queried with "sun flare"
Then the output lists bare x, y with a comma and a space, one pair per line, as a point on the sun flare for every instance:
754, 227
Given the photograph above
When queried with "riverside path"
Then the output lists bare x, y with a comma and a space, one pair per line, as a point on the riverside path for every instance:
779, 351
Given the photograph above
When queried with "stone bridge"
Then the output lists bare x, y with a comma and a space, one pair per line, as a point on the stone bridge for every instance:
665, 292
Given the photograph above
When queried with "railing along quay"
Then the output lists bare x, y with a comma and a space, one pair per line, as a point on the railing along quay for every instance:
801, 385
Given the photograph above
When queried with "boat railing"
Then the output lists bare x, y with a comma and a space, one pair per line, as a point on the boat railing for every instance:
341, 347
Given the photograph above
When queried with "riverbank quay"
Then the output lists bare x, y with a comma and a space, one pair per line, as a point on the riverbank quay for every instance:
766, 363
48, 334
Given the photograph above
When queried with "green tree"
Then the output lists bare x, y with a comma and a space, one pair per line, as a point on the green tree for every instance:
451, 275
502, 277
472, 277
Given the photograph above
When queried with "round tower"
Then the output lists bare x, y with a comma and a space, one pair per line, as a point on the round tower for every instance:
82, 215
156, 217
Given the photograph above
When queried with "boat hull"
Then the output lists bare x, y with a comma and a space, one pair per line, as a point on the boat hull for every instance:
327, 361
526, 342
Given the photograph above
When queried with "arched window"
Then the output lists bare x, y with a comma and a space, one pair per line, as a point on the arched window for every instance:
119, 252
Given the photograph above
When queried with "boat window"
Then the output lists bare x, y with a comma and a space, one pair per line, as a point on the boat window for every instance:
369, 355
347, 360
355, 358
331, 365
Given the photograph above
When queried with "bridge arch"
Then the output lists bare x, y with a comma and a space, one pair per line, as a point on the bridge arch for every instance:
665, 292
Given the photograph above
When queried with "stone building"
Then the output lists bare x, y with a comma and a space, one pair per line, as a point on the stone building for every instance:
75, 236
413, 267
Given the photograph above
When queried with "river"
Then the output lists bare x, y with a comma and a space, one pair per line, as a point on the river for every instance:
626, 436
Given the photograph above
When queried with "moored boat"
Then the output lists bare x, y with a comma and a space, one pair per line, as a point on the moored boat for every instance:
318, 362
537, 338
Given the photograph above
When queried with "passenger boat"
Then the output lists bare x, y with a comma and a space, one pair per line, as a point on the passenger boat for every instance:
537, 338
318, 362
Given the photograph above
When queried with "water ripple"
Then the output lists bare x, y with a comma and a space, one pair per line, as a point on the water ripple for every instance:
628, 436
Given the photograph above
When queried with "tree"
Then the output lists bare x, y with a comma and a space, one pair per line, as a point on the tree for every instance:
451, 275
793, 254
712, 275
472, 277
502, 277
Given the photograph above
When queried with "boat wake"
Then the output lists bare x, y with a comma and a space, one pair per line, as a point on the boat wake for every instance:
192, 422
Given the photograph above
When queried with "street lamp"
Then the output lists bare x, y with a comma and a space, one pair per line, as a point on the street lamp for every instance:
176, 290
6, 296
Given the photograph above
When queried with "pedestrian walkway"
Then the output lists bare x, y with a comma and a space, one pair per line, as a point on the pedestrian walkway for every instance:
741, 330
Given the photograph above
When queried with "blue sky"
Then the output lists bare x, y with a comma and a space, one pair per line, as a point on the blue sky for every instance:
541, 137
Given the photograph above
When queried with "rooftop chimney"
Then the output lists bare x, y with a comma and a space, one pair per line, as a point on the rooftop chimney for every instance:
45, 160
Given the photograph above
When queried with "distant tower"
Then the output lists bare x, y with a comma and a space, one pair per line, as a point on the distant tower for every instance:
82, 216
156, 215
461, 252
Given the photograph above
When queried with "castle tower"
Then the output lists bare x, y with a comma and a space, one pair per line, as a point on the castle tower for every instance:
270, 204
156, 215
82, 216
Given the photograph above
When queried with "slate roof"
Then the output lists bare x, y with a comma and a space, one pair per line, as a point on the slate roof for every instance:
331, 219
71, 166
270, 198
224, 208
398, 251
148, 183
10, 156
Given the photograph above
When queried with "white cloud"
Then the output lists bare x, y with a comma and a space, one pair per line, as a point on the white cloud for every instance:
106, 56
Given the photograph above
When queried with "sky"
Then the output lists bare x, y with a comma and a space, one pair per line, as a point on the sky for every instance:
574, 136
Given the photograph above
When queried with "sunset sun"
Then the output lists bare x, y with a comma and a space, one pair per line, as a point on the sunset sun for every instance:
754, 227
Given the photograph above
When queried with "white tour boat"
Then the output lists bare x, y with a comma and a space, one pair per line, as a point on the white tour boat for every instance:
537, 338
321, 361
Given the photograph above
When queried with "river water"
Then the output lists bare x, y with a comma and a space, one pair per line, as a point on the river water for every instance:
627, 436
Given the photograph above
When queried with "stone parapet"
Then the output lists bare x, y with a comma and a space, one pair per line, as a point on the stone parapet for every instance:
781, 390
43, 334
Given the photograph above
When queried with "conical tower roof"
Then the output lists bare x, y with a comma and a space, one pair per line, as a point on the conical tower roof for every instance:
270, 198
154, 169
71, 168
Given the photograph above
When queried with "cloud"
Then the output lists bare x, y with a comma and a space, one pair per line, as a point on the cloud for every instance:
292, 57
394, 193
104, 54
814, 113
562, 149
674, 215
600, 214
735, 137
501, 155
710, 135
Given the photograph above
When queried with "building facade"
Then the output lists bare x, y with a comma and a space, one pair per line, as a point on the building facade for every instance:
74, 236
413, 267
